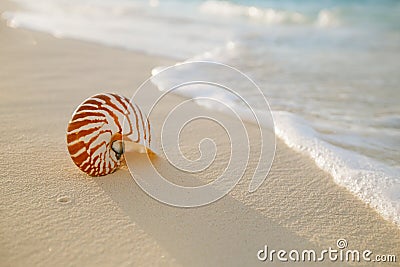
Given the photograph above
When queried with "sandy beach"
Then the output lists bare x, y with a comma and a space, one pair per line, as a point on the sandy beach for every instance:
52, 214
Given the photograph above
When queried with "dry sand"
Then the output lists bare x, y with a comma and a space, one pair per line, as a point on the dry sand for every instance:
54, 215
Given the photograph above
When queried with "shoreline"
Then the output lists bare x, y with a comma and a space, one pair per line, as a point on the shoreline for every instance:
52, 212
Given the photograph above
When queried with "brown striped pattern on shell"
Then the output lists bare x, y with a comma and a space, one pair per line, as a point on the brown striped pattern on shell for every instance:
96, 124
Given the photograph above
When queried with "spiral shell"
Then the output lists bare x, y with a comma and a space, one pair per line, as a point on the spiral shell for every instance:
97, 134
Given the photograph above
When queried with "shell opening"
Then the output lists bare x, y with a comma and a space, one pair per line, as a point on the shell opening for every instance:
135, 147
118, 147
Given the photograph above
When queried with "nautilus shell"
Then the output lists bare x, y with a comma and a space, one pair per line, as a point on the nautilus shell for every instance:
102, 129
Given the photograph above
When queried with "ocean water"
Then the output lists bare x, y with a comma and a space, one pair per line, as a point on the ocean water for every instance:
330, 69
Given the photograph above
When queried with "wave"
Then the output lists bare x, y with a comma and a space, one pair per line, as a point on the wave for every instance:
375, 183
136, 25
270, 16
